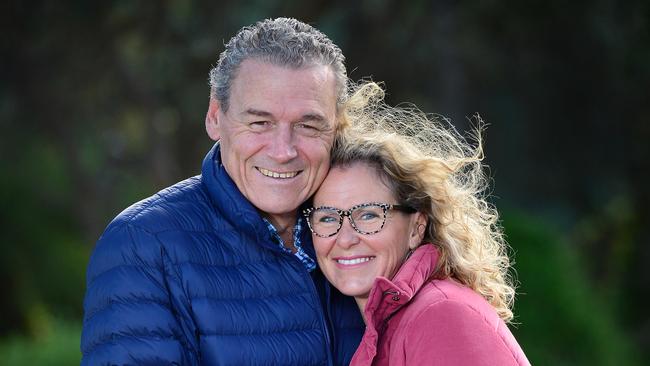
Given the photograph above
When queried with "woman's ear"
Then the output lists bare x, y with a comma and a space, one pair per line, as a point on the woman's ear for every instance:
417, 230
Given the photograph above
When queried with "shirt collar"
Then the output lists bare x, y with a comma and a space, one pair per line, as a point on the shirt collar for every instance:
307, 261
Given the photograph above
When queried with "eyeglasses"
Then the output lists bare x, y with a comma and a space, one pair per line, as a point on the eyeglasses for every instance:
366, 218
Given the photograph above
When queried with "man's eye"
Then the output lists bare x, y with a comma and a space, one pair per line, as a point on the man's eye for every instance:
258, 125
307, 126
308, 129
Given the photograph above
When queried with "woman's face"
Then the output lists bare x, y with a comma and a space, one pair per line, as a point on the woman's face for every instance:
351, 261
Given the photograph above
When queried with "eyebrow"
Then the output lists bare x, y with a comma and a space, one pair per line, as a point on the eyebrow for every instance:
306, 117
313, 117
257, 112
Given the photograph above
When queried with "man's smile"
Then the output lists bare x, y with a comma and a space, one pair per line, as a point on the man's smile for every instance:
272, 174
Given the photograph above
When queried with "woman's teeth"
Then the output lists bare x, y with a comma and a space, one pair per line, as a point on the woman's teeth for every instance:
349, 262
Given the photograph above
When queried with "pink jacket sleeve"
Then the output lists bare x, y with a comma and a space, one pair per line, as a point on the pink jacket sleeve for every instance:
449, 332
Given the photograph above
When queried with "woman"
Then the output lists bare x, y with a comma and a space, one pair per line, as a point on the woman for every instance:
401, 224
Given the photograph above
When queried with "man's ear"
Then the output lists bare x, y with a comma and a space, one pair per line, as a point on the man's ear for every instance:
417, 230
212, 120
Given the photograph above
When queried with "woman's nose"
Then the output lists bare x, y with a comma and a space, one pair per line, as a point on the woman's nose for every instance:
347, 235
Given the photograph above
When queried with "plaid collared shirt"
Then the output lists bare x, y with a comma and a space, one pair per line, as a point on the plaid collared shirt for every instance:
306, 260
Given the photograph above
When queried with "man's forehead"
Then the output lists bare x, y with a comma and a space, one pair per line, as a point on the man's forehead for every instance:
267, 90
309, 116
257, 72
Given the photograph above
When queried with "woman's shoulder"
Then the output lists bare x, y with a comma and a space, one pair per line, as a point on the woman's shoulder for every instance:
448, 323
450, 290
446, 314
448, 301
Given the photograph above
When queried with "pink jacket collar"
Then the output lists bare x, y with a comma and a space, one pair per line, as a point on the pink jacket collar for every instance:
387, 296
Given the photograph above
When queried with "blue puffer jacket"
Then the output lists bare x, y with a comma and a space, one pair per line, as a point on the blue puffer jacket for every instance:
190, 276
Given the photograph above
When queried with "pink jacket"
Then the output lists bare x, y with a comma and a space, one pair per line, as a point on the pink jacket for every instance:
414, 321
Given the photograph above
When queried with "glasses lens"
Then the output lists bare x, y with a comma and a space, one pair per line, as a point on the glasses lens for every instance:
368, 219
325, 221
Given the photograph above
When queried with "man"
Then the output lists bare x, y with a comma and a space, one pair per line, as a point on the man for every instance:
219, 269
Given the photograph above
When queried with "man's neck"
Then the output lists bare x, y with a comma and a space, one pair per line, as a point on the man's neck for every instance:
284, 224
361, 302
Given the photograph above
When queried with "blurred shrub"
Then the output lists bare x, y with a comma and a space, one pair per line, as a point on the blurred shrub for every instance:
60, 346
43, 254
561, 319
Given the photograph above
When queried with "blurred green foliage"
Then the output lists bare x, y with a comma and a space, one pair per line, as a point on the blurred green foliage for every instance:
59, 347
102, 104
562, 319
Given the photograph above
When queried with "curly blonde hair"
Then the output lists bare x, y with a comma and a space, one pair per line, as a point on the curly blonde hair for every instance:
432, 168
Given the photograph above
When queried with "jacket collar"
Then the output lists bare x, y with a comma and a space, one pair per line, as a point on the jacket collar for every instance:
388, 296
229, 203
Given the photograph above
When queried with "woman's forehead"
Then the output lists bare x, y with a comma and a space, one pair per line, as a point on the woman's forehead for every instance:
350, 185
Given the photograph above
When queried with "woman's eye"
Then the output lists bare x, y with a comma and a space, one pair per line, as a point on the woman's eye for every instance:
368, 216
328, 219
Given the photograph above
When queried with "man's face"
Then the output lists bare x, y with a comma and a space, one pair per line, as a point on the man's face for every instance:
277, 134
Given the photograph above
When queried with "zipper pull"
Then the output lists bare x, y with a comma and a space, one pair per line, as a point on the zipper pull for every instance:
395, 294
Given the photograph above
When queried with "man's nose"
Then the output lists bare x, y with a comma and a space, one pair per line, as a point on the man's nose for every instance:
347, 236
283, 144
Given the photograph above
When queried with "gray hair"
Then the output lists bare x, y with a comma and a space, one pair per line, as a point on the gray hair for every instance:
283, 42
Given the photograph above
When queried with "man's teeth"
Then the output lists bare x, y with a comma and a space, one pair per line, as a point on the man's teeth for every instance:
273, 174
349, 262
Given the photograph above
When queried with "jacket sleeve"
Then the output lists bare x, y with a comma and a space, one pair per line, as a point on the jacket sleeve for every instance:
453, 333
128, 316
